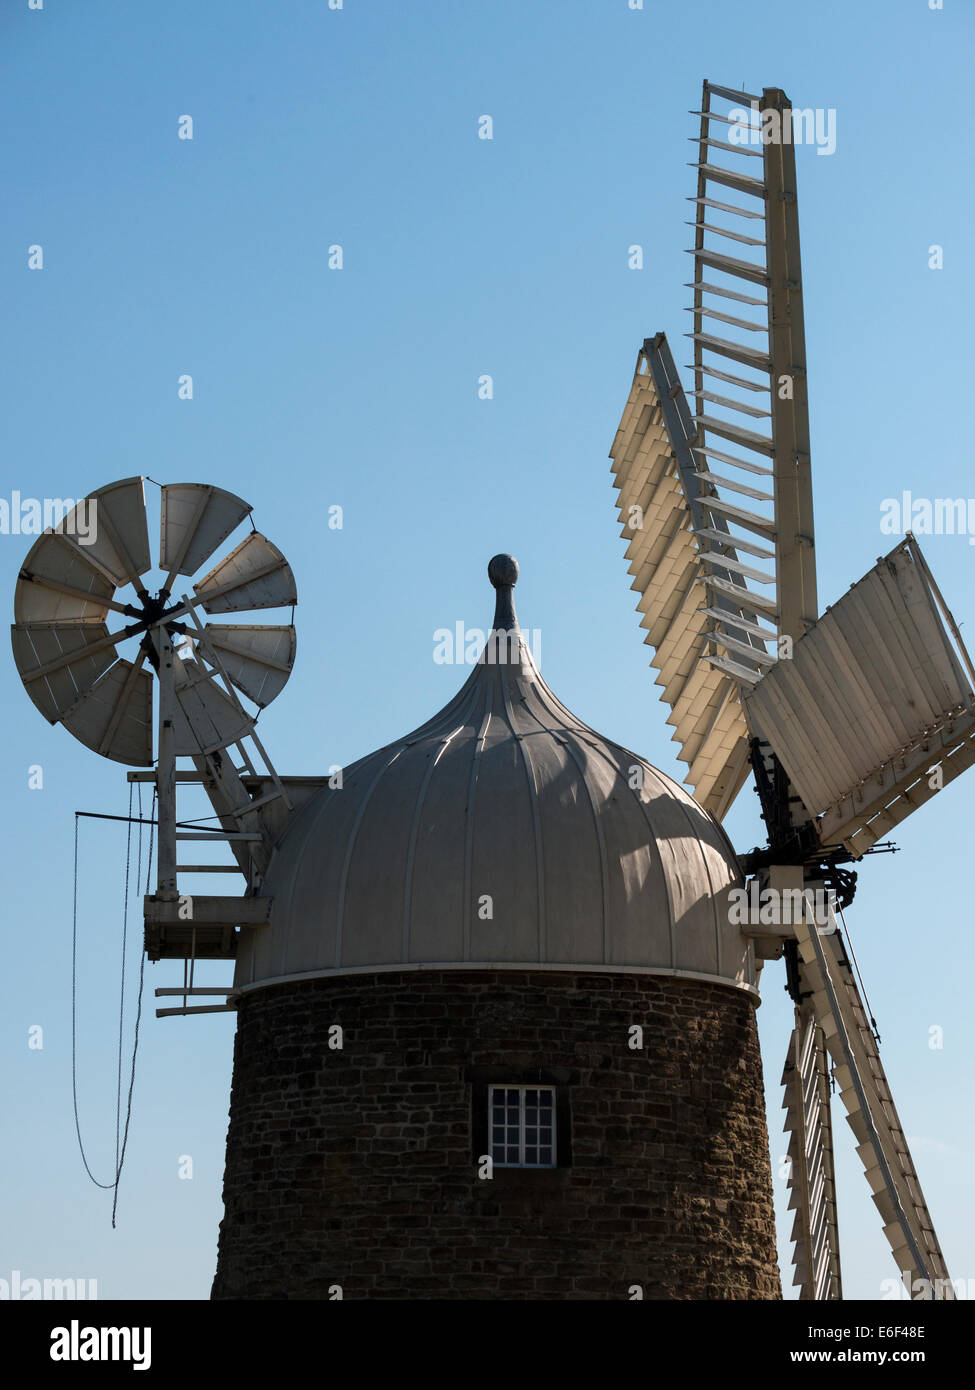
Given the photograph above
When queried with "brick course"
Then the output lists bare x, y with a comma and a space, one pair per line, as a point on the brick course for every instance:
357, 1167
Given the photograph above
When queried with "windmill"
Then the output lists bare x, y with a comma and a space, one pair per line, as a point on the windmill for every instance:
847, 720
213, 679
838, 717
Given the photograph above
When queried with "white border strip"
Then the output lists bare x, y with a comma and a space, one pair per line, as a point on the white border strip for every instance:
579, 968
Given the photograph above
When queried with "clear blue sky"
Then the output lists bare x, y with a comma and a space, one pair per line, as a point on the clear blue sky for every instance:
358, 388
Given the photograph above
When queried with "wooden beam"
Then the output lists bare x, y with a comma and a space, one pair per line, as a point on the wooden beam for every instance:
209, 911
795, 538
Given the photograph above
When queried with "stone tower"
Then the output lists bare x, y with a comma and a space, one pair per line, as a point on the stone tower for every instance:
499, 1039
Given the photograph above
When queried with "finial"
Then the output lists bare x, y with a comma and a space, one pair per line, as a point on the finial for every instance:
503, 574
503, 570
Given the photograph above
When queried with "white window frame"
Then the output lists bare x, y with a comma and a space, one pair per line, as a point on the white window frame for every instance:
522, 1091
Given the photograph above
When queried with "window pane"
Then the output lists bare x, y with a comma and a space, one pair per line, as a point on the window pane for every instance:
522, 1126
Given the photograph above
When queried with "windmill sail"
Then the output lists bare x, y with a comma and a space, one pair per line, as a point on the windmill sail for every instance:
717, 505
254, 575
747, 311
875, 712
881, 1145
257, 659
701, 615
815, 1235
195, 518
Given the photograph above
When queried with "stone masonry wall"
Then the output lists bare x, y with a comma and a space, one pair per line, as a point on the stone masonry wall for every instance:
356, 1167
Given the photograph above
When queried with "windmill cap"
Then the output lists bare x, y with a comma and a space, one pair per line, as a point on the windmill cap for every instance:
504, 833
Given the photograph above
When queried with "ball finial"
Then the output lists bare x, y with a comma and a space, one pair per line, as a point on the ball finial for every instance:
503, 571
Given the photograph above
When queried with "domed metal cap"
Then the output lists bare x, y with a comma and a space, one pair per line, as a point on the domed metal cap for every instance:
592, 860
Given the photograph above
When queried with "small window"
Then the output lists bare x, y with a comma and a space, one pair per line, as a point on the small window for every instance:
522, 1126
